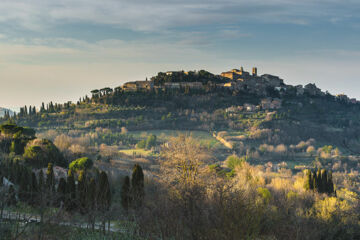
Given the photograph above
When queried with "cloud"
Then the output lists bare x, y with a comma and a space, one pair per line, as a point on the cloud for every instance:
160, 15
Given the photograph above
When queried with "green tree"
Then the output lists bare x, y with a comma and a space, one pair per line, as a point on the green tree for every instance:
150, 141
103, 192
11, 200
84, 163
41, 181
137, 186
61, 190
50, 178
24, 184
91, 194
70, 200
82, 189
141, 144
125, 193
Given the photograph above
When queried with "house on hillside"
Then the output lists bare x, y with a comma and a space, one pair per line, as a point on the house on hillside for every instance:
178, 85
170, 73
272, 80
342, 97
312, 90
172, 85
249, 107
138, 85
299, 90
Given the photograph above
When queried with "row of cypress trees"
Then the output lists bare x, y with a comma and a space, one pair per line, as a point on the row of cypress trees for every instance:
319, 180
132, 195
89, 193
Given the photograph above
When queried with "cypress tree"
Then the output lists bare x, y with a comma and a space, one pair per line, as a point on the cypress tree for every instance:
324, 181
330, 184
41, 181
321, 181
50, 178
61, 190
70, 201
311, 180
137, 184
308, 180
33, 188
125, 193
24, 184
11, 199
91, 194
104, 192
82, 191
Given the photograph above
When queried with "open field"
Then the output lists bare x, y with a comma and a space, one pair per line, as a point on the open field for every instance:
203, 137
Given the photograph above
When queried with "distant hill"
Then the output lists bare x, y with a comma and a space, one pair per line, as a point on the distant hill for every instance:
243, 110
3, 110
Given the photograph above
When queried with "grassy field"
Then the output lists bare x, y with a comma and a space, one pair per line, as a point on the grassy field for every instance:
204, 138
141, 152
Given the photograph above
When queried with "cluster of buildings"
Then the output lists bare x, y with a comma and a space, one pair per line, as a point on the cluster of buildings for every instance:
240, 80
237, 80
265, 104
344, 98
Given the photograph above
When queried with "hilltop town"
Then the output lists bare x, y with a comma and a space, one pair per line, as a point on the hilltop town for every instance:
238, 81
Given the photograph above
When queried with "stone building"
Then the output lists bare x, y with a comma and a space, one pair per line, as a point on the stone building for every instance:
236, 74
138, 85
312, 90
178, 85
269, 103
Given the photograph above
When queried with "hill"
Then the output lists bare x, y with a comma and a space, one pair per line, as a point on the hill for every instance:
254, 155
259, 116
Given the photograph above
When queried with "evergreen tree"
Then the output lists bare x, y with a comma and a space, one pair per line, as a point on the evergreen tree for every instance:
330, 184
50, 178
33, 188
42, 109
324, 181
308, 180
103, 192
125, 193
137, 186
321, 181
61, 190
41, 182
11, 199
82, 191
24, 184
91, 194
70, 201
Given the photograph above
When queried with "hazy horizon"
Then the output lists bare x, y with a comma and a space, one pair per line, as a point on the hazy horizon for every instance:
61, 51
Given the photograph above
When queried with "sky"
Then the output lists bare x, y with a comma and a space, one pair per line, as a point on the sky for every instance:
61, 50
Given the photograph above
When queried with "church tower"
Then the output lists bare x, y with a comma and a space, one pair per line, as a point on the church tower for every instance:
254, 71
241, 70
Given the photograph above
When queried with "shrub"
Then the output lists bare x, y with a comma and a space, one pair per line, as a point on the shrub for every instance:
81, 164
232, 161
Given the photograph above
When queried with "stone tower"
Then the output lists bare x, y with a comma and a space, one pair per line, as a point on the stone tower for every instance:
254, 71
241, 70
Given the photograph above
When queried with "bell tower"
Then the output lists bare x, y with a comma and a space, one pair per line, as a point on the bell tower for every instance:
254, 71
241, 70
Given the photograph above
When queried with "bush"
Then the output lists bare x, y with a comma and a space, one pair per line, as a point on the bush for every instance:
150, 141
81, 164
141, 144
39, 152
232, 161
